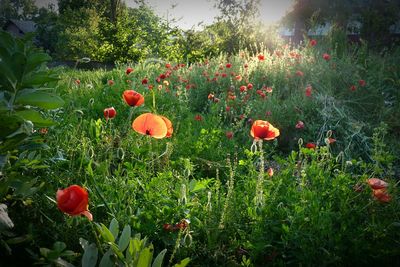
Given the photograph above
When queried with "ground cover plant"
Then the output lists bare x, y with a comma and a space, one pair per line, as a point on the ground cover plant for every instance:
287, 156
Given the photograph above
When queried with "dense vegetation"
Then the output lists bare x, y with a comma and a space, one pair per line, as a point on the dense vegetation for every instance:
210, 192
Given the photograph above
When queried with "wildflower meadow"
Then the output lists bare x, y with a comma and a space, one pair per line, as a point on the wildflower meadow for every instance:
282, 156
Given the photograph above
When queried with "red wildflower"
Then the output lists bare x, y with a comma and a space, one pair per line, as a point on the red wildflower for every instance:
326, 56
223, 75
145, 81
162, 76
228, 65
210, 96
362, 83
74, 201
110, 82
299, 73
229, 135
250, 86
261, 57
238, 78
270, 172
150, 124
246, 65
379, 189
353, 88
168, 123
313, 42
78, 82
263, 130
243, 88
198, 117
376, 183
308, 91
311, 145
133, 98
109, 113
299, 125
168, 66
128, 70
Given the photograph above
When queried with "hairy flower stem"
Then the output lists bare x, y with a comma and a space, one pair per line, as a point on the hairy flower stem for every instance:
230, 185
178, 240
259, 199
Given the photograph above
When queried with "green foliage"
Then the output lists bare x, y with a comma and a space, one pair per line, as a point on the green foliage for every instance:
127, 251
26, 92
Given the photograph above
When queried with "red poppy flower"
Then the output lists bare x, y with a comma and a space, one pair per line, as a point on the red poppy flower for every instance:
133, 98
74, 201
313, 42
299, 125
353, 88
168, 123
268, 89
311, 145
228, 108
162, 76
78, 82
299, 73
243, 88
308, 91
210, 96
145, 81
250, 86
376, 183
128, 70
228, 65
381, 195
109, 113
264, 130
150, 124
198, 117
223, 75
246, 65
168, 66
110, 82
229, 135
238, 78
261, 57
326, 56
362, 83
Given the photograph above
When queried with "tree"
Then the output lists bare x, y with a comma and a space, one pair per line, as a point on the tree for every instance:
376, 17
240, 17
17, 9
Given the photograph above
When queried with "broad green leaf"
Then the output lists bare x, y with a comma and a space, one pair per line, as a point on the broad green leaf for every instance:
35, 117
106, 234
40, 99
36, 59
183, 263
106, 261
145, 257
90, 255
17, 65
159, 259
123, 241
114, 227
59, 246
37, 78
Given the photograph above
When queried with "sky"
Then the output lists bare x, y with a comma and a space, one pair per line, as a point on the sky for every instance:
192, 12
